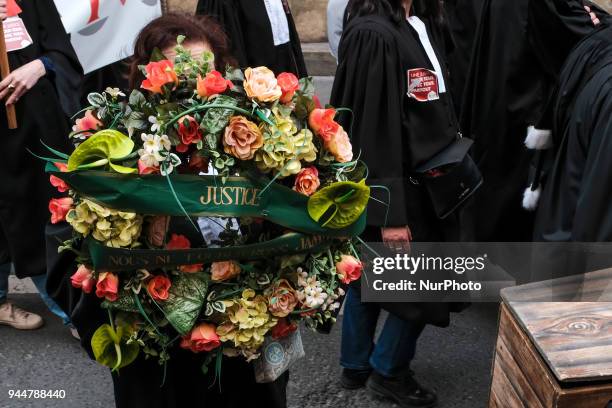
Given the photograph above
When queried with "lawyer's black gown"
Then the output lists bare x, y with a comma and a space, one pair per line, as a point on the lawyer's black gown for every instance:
519, 50
577, 196
394, 133
25, 190
248, 27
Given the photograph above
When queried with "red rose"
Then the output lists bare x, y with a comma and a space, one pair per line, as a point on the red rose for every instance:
197, 164
289, 83
322, 122
83, 279
159, 74
189, 131
158, 287
107, 286
213, 84
59, 207
283, 328
181, 242
350, 268
58, 183
202, 338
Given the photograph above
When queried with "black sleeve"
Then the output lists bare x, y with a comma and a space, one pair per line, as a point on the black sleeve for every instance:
227, 13
369, 83
554, 28
55, 45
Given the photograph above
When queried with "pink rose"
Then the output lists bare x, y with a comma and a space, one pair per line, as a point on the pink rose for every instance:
59, 207
57, 182
107, 286
202, 338
350, 268
83, 279
143, 169
340, 146
87, 123
261, 84
242, 138
282, 298
224, 271
307, 181
159, 288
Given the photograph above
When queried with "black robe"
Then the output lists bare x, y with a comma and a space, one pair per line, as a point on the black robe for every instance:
248, 27
575, 203
463, 17
25, 190
394, 133
519, 50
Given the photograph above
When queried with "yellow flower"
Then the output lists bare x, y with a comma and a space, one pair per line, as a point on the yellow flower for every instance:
247, 322
284, 147
261, 84
113, 228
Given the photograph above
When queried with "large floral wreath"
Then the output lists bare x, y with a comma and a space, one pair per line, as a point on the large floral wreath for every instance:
283, 190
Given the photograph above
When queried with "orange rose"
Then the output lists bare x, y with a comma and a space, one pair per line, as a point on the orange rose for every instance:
282, 298
57, 182
323, 123
242, 138
288, 83
307, 181
159, 74
261, 84
83, 279
189, 132
181, 242
350, 268
283, 328
59, 207
86, 123
224, 271
213, 84
340, 146
202, 338
159, 287
107, 286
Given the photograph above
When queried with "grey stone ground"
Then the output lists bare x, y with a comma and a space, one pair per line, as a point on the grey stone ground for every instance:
455, 362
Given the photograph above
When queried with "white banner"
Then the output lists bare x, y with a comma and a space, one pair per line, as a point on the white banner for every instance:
103, 31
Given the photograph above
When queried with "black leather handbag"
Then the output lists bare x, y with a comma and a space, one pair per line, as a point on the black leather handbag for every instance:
450, 177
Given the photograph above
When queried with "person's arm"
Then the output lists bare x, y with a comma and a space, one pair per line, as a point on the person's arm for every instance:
369, 83
335, 23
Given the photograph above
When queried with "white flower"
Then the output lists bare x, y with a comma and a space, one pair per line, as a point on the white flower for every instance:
164, 141
155, 125
150, 159
311, 295
155, 144
114, 92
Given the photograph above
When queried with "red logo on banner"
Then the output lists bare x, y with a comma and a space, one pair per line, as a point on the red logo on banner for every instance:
423, 85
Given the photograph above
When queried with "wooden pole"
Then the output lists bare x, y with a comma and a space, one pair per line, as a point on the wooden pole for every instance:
5, 69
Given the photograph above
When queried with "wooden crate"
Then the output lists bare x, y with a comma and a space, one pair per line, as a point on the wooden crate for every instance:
553, 355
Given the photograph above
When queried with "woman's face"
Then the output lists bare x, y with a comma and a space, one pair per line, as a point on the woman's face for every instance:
197, 49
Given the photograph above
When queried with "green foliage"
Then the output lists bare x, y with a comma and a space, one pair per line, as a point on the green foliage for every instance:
187, 296
100, 149
110, 347
339, 205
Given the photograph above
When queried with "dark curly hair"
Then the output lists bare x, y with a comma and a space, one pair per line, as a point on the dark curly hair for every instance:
162, 33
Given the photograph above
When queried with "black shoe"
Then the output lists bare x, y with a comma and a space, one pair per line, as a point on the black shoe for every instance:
404, 391
354, 379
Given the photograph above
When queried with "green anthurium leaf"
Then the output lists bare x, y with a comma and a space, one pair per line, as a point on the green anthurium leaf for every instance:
339, 205
107, 144
110, 347
97, 163
122, 169
187, 296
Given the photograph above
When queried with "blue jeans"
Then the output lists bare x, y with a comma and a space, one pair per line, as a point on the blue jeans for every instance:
40, 282
392, 354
